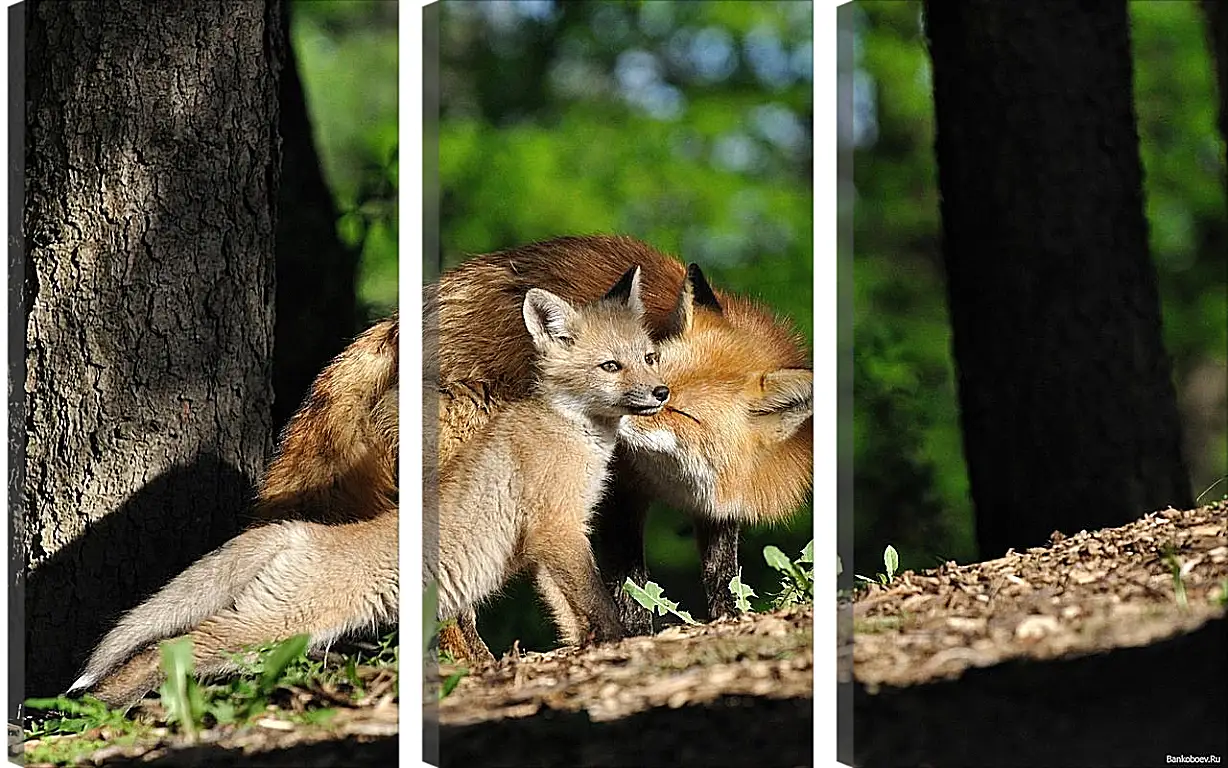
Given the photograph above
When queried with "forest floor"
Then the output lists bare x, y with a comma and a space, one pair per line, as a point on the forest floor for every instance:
735, 692
1102, 648
315, 724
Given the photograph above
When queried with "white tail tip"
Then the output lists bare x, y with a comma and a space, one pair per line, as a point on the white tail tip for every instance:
83, 682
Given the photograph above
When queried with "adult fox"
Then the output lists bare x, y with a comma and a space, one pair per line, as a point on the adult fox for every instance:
734, 444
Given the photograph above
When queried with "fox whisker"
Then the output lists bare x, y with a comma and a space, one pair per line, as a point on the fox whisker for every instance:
682, 412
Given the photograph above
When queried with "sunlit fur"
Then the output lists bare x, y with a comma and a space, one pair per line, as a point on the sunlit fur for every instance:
520, 494
723, 370
321, 561
337, 458
729, 460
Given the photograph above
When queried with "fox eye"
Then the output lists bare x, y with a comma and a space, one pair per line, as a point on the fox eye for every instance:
651, 358
610, 366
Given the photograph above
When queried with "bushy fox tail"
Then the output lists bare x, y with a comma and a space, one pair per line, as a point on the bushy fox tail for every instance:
337, 456
286, 578
206, 587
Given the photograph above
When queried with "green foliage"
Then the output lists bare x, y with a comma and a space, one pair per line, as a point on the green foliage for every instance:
891, 563
652, 597
180, 693
741, 592
1178, 574
797, 586
84, 725
798, 583
68, 740
73, 716
450, 683
274, 667
278, 660
261, 673
1208, 489
347, 55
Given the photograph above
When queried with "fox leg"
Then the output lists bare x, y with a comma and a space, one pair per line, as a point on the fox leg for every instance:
129, 683
568, 559
571, 627
718, 552
295, 594
475, 646
620, 541
462, 640
214, 644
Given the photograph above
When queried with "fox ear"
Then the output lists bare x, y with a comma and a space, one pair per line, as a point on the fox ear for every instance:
627, 291
786, 401
547, 317
695, 292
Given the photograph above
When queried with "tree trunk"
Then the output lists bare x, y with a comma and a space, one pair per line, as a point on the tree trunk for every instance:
316, 311
1217, 27
1068, 408
152, 162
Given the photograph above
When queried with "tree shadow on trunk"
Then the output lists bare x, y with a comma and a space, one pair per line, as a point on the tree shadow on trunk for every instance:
76, 596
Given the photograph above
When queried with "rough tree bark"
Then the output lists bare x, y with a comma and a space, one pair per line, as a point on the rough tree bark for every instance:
150, 206
1067, 403
316, 273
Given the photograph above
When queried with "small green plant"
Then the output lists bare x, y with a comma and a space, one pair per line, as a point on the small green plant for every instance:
741, 592
1222, 598
652, 597
1175, 568
891, 563
450, 683
180, 693
71, 723
797, 586
73, 716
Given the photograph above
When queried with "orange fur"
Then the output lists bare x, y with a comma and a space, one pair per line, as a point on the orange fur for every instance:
717, 368
337, 458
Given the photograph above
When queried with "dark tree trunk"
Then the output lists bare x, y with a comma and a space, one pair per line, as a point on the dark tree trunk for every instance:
1068, 408
316, 312
152, 164
1217, 26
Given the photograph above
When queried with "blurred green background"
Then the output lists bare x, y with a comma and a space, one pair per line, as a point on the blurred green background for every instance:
684, 124
347, 58
910, 485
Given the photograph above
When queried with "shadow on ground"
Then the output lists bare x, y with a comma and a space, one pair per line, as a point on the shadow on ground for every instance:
324, 754
1126, 707
730, 732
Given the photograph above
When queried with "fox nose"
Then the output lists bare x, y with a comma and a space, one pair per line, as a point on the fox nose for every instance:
661, 393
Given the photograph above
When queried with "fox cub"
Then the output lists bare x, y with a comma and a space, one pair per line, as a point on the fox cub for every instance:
734, 446
521, 493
